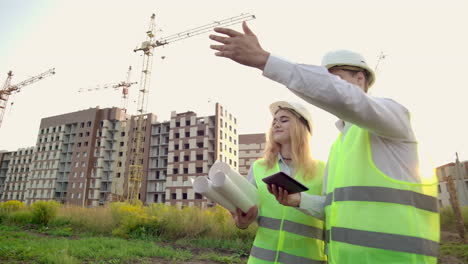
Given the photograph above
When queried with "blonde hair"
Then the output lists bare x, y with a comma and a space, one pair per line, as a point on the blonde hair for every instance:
302, 160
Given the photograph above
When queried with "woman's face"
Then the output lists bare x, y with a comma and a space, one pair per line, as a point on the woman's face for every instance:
281, 127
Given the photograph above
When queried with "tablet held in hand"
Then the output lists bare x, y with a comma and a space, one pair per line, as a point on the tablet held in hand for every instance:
281, 179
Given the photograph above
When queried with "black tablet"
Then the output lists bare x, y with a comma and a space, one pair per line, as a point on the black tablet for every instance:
281, 179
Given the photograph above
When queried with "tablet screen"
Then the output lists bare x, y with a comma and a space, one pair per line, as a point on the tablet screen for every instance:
281, 179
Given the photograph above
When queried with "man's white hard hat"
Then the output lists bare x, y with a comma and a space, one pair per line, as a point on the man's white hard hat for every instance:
297, 109
347, 58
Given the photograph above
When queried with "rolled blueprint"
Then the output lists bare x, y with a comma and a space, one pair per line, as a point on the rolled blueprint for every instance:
203, 186
223, 185
240, 181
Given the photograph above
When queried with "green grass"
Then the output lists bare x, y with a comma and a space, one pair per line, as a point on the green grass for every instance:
32, 248
223, 259
447, 218
457, 250
240, 247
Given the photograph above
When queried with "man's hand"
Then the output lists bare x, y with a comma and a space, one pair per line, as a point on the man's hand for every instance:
242, 48
243, 220
283, 197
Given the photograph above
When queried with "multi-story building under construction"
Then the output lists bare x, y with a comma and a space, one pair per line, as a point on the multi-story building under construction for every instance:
458, 171
82, 158
74, 157
251, 148
185, 147
14, 173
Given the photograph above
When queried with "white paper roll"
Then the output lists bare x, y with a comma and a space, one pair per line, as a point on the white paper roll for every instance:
225, 186
240, 181
203, 185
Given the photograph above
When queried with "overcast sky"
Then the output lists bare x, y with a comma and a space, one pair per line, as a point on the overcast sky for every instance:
91, 43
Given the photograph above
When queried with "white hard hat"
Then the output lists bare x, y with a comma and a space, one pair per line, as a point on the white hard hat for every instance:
302, 113
347, 58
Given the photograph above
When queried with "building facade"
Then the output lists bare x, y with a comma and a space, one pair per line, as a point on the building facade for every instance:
73, 156
83, 158
15, 171
148, 121
251, 148
195, 143
158, 156
5, 158
458, 171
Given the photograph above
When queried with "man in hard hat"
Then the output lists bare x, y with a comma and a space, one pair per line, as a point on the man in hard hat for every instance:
377, 206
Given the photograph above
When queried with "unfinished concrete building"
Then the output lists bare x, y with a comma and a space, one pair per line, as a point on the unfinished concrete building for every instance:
185, 147
83, 158
251, 148
72, 157
458, 171
158, 156
5, 157
148, 121
15, 172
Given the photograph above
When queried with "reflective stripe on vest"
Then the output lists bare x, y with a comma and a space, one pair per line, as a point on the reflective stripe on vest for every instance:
291, 227
270, 255
386, 241
384, 195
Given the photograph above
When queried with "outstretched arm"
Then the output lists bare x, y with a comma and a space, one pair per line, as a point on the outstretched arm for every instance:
243, 48
381, 116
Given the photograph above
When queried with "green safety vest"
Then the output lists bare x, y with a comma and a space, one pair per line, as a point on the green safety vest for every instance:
285, 234
372, 218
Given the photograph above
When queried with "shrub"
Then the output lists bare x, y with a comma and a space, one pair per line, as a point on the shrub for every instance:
11, 206
96, 221
130, 218
44, 211
193, 222
20, 217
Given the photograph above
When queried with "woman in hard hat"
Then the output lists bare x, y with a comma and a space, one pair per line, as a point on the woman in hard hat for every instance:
285, 234
378, 207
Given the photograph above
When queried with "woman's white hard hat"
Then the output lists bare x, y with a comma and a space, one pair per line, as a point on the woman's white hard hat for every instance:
297, 108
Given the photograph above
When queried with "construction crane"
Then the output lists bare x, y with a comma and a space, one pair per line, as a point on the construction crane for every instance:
136, 168
125, 85
382, 57
9, 89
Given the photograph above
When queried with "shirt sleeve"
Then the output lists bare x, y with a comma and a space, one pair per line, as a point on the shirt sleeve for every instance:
383, 117
312, 205
250, 177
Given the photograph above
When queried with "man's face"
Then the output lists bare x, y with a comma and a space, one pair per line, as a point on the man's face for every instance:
357, 78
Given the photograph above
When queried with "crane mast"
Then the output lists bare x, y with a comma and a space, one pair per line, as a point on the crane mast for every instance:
8, 89
136, 167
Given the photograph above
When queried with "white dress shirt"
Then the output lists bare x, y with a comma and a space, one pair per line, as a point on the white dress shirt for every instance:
393, 144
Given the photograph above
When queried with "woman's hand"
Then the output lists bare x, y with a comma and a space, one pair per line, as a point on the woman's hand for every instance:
243, 220
283, 197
